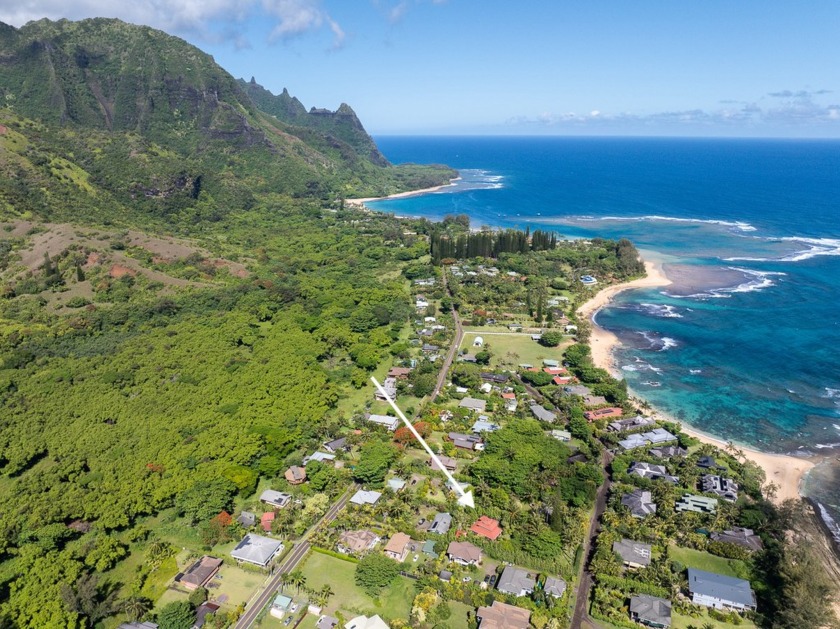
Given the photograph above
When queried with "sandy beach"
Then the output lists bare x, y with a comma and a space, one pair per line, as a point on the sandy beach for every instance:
786, 472
401, 195
602, 342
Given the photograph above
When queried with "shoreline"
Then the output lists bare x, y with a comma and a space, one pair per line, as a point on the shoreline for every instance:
401, 195
786, 471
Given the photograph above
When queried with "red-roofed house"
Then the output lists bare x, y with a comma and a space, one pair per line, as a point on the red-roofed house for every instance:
601, 413
510, 401
266, 521
554, 371
487, 527
561, 380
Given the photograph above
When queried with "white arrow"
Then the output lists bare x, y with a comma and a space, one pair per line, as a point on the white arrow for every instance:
466, 498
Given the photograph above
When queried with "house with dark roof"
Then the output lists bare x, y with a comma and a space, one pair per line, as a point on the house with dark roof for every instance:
577, 389
200, 573
441, 524
326, 622
633, 554
651, 611
445, 463
390, 388
463, 441
708, 463
247, 519
726, 488
486, 527
719, 591
745, 538
640, 503
516, 581
498, 378
202, 611
503, 616
542, 414
336, 445
464, 553
651, 471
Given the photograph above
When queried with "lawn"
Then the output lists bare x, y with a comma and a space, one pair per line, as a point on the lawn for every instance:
678, 621
322, 569
458, 619
236, 584
701, 560
511, 349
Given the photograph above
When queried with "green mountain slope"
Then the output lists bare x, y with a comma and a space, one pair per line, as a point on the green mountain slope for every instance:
161, 132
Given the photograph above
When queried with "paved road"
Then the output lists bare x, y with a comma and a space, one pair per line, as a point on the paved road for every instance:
580, 617
456, 343
290, 563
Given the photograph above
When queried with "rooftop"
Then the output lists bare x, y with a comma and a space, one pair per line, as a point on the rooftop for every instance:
631, 552
256, 549
486, 527
721, 587
363, 497
503, 616
516, 581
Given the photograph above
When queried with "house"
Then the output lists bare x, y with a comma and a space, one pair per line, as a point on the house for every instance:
478, 342
461, 390
503, 616
441, 524
429, 320
603, 413
247, 519
326, 622
651, 471
390, 387
651, 611
667, 452
719, 591
138, 625
633, 554
420, 302
659, 435
295, 475
468, 358
726, 488
429, 348
640, 503
498, 378
464, 553
429, 548
390, 423
561, 380
484, 426
577, 389
363, 497
397, 547
445, 463
473, 404
202, 611
396, 484
631, 422
276, 499
697, 504
633, 441
267, 520
256, 549
550, 362
554, 586
321, 457
561, 435
336, 445
591, 401
465, 442
400, 373
510, 401
543, 415
363, 622
487, 527
359, 541
707, 462
486, 387
516, 581
445, 576
555, 371
588, 280
200, 573
745, 538
281, 605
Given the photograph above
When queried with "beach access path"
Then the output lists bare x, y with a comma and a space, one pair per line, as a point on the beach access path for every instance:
456, 343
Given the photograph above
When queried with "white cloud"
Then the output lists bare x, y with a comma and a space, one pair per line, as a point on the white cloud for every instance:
291, 18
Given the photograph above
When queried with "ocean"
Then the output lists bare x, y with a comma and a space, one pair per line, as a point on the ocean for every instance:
743, 345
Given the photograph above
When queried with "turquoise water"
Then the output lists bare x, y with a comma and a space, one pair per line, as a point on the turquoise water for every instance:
743, 344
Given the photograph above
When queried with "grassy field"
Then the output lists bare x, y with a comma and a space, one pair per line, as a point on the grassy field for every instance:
678, 621
509, 350
458, 619
350, 600
705, 561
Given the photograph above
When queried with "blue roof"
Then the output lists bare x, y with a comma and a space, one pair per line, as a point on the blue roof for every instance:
282, 601
720, 587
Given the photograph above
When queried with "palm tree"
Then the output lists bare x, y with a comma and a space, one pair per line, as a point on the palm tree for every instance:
283, 579
135, 607
323, 595
297, 580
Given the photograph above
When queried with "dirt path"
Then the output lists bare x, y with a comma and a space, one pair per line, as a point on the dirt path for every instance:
456, 343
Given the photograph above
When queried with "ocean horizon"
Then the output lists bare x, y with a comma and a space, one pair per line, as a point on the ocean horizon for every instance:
742, 345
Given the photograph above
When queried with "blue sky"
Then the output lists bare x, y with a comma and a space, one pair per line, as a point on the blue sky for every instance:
588, 67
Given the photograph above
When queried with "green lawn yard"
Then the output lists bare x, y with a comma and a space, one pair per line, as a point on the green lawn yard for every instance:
394, 603
710, 563
458, 619
679, 621
511, 349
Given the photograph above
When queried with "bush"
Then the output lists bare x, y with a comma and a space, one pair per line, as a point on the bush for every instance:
376, 572
551, 339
